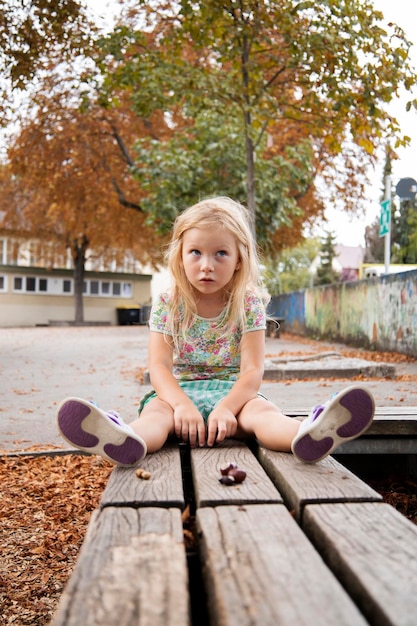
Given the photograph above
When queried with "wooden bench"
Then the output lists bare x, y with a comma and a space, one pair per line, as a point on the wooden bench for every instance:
293, 544
132, 567
274, 326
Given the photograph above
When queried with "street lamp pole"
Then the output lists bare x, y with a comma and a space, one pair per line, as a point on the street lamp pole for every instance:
387, 249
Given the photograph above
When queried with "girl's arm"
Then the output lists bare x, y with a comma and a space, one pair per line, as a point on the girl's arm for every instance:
188, 422
220, 423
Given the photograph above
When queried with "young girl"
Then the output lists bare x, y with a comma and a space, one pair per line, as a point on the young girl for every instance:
206, 358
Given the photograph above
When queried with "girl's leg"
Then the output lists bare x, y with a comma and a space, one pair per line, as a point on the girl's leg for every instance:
155, 424
272, 429
347, 415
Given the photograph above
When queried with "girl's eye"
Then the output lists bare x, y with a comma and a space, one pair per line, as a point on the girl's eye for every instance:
195, 252
222, 253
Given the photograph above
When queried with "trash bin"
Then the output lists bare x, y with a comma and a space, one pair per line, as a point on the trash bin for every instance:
128, 315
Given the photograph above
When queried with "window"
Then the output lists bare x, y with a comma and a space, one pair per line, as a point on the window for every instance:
127, 290
30, 283
34, 284
3, 283
105, 288
56, 286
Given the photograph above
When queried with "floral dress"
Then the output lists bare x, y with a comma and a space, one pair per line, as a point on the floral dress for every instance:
208, 353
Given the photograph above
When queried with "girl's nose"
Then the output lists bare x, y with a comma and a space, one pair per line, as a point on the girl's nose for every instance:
206, 264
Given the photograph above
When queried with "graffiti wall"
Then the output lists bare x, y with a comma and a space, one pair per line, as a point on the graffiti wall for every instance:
378, 313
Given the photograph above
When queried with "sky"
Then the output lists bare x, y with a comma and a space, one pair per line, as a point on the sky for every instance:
350, 231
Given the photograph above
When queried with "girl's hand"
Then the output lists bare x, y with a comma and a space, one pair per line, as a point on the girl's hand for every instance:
221, 424
189, 424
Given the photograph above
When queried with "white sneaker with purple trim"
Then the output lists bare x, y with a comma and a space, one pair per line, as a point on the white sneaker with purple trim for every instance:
87, 427
344, 417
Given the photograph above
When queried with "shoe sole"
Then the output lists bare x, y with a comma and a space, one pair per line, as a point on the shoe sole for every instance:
88, 428
347, 416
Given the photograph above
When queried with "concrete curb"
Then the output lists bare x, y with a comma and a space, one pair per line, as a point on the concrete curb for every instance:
325, 364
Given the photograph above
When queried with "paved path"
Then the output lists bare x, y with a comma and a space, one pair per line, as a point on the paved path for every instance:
41, 366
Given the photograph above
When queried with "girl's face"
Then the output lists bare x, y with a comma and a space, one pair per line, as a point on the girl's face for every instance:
210, 258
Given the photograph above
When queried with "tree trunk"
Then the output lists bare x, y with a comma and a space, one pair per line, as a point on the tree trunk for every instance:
250, 183
78, 252
250, 150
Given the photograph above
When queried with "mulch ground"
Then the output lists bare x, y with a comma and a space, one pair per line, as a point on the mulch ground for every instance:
400, 492
46, 503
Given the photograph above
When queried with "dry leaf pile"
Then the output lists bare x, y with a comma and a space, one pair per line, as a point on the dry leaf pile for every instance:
400, 492
348, 352
46, 503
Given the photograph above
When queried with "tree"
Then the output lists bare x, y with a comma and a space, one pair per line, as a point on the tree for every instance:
403, 236
403, 226
325, 272
404, 232
374, 244
291, 270
317, 74
68, 180
31, 32
250, 98
206, 160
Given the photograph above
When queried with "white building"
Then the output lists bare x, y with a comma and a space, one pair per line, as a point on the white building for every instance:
37, 287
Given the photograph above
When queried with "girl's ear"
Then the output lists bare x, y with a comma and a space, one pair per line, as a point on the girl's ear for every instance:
238, 265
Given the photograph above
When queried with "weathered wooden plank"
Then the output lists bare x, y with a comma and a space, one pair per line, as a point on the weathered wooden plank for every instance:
396, 410
206, 464
394, 424
380, 411
379, 445
164, 488
398, 425
302, 484
261, 569
387, 421
131, 571
372, 548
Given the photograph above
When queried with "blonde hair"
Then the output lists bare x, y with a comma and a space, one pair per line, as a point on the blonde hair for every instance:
221, 212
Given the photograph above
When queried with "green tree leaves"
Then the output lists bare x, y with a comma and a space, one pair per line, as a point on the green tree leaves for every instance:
291, 84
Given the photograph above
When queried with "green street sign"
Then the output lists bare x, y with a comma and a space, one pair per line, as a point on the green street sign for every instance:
385, 218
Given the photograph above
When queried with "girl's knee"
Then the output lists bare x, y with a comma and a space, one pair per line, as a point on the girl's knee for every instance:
260, 408
156, 408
